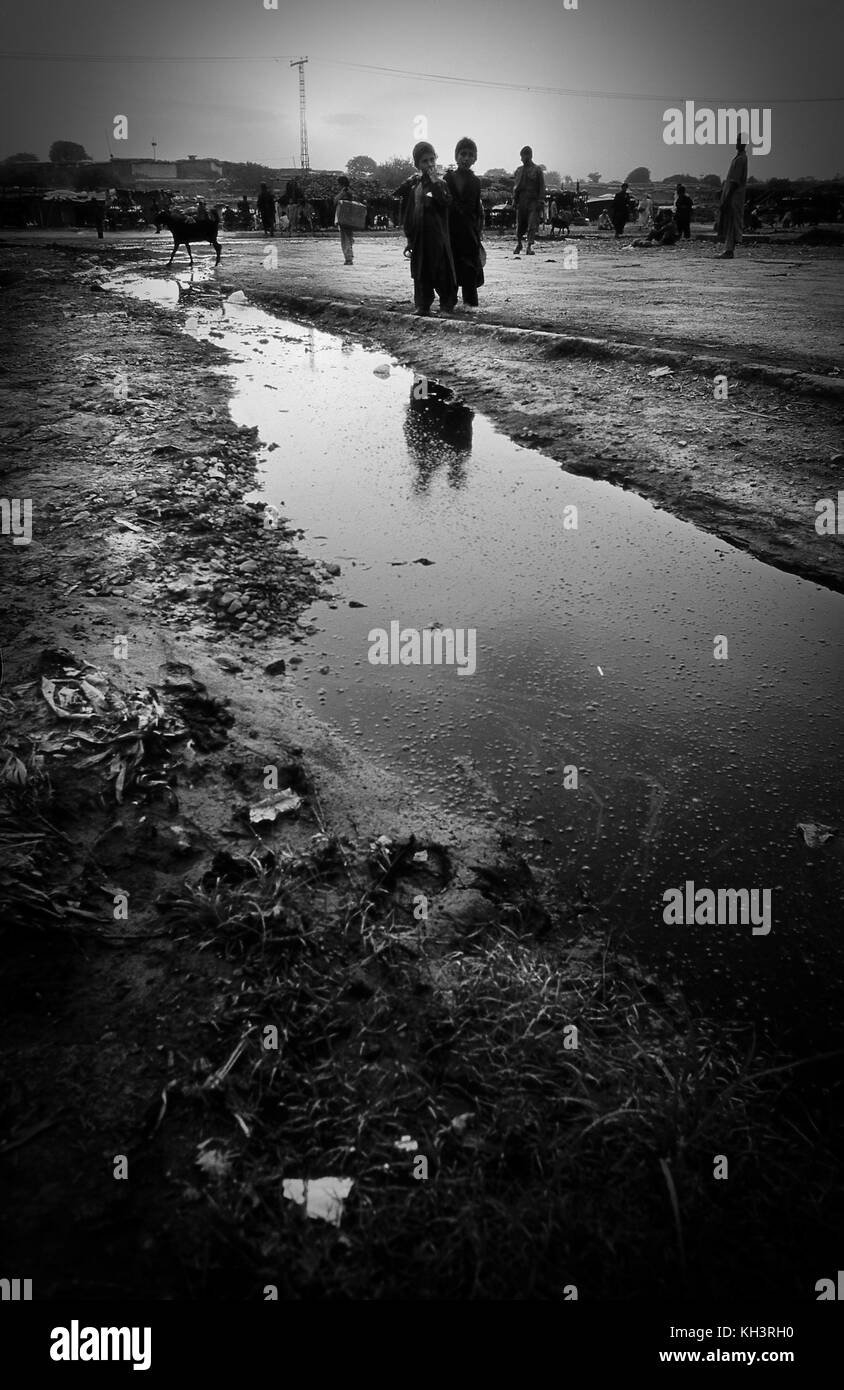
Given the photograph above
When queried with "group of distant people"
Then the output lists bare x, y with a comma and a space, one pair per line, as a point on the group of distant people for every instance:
674, 224
443, 219
664, 228
290, 211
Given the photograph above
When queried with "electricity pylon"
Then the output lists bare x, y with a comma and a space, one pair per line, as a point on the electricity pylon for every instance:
304, 157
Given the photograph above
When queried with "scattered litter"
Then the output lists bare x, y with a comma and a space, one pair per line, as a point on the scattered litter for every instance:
423, 561
600, 672
182, 837
406, 1145
322, 1198
128, 525
421, 856
281, 803
660, 371
214, 1162
460, 1122
13, 770
383, 370
72, 699
816, 835
238, 297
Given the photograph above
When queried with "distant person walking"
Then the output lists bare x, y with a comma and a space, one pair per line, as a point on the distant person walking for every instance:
427, 201
620, 210
266, 210
683, 212
466, 221
731, 211
529, 197
347, 236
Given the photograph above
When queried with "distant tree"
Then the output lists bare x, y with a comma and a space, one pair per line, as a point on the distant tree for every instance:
360, 164
498, 174
711, 180
596, 177
639, 175
394, 170
247, 177
552, 178
568, 180
67, 152
23, 158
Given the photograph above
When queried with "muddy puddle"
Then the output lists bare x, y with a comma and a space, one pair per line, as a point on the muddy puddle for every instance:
594, 649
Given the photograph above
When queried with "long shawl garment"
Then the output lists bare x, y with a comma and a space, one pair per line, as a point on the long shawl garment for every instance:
619, 211
465, 223
426, 228
731, 212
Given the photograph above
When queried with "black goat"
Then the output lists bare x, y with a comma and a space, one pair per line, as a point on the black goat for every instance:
184, 232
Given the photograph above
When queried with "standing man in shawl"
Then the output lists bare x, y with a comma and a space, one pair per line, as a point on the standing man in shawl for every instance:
529, 197
731, 212
620, 210
266, 210
426, 228
466, 221
683, 211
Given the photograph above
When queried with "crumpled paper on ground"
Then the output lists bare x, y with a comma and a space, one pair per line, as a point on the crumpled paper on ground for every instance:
322, 1198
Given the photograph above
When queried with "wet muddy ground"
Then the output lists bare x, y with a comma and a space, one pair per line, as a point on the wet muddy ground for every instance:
599, 655
560, 359
116, 425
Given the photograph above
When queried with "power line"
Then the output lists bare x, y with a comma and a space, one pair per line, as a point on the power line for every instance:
560, 91
406, 73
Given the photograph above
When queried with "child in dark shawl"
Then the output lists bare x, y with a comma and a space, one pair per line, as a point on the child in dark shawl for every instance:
426, 227
466, 221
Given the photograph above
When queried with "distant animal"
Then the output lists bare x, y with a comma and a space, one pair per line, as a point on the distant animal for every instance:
558, 219
185, 231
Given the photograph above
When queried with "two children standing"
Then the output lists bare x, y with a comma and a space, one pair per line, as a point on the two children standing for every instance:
443, 222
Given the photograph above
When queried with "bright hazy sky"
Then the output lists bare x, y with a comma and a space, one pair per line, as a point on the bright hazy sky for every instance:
742, 53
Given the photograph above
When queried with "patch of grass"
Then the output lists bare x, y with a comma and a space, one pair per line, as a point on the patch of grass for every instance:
546, 1164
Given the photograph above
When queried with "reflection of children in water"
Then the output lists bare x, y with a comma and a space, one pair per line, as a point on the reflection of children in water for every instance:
437, 431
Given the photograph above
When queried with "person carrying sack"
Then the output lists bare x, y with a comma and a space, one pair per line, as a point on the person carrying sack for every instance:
347, 236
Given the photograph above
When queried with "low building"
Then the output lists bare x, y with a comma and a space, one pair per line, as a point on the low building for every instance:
193, 168
155, 170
